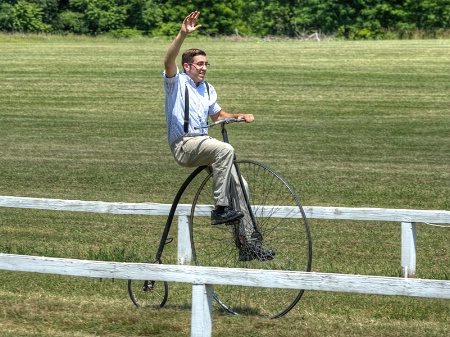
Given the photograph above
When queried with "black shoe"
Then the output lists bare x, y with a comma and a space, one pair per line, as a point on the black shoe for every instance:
253, 252
224, 214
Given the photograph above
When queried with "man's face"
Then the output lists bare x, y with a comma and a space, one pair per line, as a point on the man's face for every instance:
197, 69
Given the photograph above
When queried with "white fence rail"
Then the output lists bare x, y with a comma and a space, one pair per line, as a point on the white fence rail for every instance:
362, 284
408, 219
203, 279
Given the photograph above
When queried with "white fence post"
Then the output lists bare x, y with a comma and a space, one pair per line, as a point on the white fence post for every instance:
408, 242
201, 319
184, 241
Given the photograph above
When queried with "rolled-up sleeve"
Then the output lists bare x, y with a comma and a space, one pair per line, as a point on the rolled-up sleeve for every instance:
214, 107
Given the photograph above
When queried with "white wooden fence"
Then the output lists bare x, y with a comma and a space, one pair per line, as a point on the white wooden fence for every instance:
407, 217
203, 279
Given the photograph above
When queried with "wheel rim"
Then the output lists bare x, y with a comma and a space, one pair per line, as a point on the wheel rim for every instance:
148, 294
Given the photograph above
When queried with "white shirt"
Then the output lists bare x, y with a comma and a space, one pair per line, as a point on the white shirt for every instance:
201, 105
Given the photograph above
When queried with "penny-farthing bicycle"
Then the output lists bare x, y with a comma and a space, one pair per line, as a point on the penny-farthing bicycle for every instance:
274, 221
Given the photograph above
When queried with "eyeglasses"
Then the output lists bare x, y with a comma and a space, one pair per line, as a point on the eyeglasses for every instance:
201, 64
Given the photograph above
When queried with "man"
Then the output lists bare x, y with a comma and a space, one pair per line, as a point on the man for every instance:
189, 101
193, 147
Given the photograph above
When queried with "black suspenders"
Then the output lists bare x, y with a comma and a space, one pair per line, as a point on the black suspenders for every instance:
186, 110
186, 106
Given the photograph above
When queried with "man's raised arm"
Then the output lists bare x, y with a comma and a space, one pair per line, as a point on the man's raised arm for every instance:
188, 26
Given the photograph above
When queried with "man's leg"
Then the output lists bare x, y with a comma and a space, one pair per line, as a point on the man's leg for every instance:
198, 151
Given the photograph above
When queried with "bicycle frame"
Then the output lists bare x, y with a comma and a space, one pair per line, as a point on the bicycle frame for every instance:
177, 198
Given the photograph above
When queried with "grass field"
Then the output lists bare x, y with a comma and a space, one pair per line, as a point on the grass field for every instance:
357, 124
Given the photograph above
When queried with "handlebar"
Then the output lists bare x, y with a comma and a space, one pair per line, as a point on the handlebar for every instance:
222, 121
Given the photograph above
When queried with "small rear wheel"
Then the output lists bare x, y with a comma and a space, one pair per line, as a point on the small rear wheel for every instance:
147, 293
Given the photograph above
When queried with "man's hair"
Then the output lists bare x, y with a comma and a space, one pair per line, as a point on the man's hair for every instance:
188, 55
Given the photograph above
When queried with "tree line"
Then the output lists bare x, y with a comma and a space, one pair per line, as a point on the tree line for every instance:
357, 19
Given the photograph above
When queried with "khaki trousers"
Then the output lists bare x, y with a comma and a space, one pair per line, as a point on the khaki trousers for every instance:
205, 150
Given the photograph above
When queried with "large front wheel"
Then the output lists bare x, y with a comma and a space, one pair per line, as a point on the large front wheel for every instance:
278, 223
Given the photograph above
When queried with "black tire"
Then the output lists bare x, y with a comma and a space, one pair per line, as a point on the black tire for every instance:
148, 294
289, 237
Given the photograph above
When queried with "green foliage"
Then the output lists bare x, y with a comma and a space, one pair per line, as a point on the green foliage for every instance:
71, 22
50, 9
27, 17
359, 19
429, 14
271, 17
101, 15
144, 15
217, 18
6, 17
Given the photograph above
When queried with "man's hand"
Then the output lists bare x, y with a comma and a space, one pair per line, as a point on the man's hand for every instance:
189, 23
188, 26
248, 118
